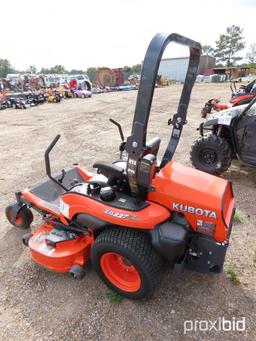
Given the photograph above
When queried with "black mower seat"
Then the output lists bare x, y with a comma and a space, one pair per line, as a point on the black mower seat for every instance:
101, 179
110, 170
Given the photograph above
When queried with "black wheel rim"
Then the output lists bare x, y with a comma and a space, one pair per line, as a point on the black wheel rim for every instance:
208, 157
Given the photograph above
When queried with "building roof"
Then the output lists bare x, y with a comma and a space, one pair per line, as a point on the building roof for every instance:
175, 58
230, 67
187, 57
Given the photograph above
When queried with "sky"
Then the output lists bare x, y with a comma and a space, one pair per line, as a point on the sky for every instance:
113, 33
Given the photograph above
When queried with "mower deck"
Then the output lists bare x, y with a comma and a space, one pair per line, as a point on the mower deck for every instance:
49, 245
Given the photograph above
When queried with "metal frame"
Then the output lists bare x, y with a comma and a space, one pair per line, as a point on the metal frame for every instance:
136, 142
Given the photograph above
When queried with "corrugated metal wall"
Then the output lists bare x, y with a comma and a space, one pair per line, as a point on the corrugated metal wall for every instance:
174, 69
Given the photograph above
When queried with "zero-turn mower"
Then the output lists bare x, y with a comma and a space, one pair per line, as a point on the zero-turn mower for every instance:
134, 215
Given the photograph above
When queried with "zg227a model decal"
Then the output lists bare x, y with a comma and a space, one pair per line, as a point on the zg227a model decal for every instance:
116, 214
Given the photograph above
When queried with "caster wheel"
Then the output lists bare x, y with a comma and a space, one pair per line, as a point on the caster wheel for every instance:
23, 219
25, 238
77, 271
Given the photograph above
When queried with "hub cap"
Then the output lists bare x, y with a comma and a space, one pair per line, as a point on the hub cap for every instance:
208, 156
120, 272
17, 221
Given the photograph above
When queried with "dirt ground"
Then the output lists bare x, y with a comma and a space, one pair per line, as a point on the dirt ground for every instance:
36, 304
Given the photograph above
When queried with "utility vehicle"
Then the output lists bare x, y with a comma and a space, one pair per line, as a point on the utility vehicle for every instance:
227, 135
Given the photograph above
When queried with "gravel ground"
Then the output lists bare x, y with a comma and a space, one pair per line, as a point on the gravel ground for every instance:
36, 304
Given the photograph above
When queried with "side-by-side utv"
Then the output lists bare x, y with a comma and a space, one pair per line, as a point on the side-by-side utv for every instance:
135, 214
225, 136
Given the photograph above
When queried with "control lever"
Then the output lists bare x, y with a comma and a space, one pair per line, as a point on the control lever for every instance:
47, 162
119, 128
123, 143
63, 173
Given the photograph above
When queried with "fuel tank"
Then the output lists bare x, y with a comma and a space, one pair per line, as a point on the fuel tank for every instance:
206, 201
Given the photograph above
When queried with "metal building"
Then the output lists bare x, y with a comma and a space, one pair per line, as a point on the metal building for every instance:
176, 68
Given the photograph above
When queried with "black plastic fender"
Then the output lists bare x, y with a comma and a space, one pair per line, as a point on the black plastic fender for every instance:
170, 240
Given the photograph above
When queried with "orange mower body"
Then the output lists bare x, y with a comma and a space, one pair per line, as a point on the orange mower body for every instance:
136, 214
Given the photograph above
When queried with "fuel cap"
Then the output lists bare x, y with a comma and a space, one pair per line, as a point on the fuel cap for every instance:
107, 193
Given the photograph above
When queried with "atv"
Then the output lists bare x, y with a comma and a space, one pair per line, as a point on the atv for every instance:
4, 104
19, 101
54, 96
36, 98
134, 215
227, 135
66, 92
240, 96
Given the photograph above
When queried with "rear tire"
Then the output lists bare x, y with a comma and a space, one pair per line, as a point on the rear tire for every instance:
211, 154
126, 262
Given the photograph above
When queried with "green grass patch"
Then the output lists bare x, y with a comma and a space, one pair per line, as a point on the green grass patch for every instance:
114, 297
232, 275
238, 217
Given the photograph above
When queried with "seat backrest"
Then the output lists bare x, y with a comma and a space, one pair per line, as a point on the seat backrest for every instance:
152, 146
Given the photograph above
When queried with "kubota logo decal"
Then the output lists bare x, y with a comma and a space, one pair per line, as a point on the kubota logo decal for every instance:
194, 210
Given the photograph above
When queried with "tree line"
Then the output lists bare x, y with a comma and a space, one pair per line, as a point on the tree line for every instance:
228, 46
6, 67
225, 51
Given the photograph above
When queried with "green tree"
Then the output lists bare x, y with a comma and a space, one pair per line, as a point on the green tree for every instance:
91, 72
136, 68
127, 71
44, 71
77, 72
207, 50
251, 54
32, 69
229, 44
5, 67
58, 69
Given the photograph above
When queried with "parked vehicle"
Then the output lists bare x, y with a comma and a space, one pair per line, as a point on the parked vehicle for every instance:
240, 96
20, 103
4, 104
227, 135
83, 81
82, 93
54, 97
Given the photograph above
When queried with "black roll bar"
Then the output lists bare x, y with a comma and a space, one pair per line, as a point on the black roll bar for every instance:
136, 142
